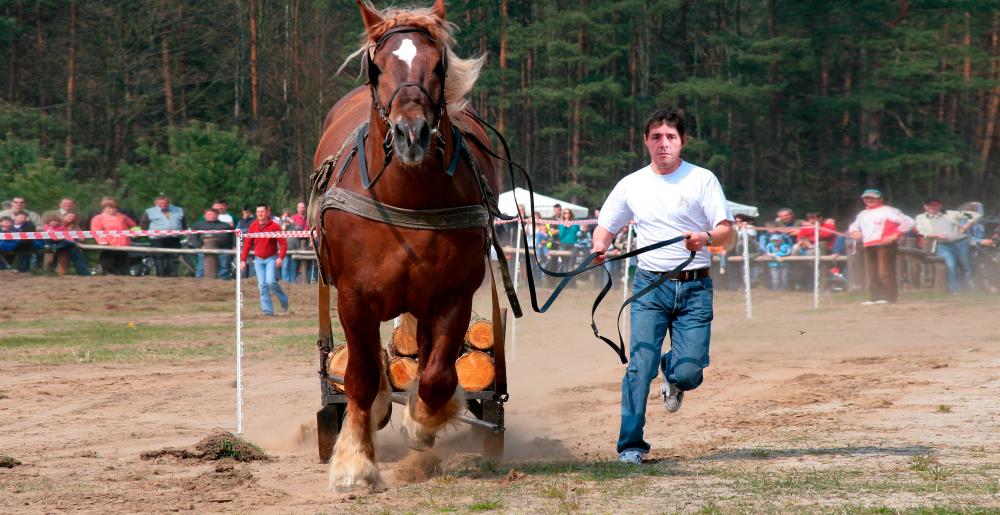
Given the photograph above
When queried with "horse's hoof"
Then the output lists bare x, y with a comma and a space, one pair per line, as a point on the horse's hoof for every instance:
388, 416
422, 442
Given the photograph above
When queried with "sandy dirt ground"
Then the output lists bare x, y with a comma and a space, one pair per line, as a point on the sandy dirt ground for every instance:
845, 408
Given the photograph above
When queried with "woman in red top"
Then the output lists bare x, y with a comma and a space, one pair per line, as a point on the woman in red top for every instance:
110, 219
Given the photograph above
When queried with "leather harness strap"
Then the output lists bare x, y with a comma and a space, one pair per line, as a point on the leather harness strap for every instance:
465, 217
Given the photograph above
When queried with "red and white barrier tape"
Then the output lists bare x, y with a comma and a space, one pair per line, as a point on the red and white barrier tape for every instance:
74, 235
60, 235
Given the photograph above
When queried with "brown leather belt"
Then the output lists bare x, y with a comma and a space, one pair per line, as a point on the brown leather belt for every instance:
687, 275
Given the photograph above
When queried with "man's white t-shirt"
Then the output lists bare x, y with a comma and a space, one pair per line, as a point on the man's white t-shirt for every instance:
664, 207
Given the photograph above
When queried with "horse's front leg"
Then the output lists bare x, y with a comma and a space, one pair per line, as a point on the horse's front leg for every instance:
368, 395
437, 398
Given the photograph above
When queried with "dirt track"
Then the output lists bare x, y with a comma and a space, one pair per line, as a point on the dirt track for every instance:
847, 407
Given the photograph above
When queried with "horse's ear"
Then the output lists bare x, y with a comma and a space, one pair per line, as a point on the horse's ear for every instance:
438, 8
369, 15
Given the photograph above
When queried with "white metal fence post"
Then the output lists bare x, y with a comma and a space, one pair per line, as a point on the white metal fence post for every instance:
816, 266
746, 271
239, 335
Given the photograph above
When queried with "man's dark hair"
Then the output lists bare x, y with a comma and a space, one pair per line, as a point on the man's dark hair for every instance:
212, 209
9, 219
263, 205
668, 116
557, 205
221, 201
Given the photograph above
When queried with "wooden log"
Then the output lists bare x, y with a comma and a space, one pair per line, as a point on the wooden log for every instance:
402, 371
404, 338
480, 335
336, 364
476, 371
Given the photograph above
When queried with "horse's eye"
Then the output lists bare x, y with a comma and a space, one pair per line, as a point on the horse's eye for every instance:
372, 70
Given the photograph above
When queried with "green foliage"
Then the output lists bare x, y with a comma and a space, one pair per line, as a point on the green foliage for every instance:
202, 163
25, 172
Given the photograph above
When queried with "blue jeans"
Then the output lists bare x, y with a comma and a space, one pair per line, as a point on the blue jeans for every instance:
684, 309
75, 255
779, 276
267, 282
289, 270
956, 255
225, 265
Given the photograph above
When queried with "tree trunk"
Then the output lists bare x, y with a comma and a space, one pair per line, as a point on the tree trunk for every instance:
574, 160
168, 87
254, 90
43, 99
179, 65
993, 104
297, 89
501, 103
70, 83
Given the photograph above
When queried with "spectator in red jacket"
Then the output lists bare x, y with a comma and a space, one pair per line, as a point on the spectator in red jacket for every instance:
269, 254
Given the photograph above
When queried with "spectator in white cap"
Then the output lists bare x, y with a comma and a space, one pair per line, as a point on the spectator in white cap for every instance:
879, 227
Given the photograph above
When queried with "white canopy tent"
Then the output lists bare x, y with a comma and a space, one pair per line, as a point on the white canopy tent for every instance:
509, 200
743, 209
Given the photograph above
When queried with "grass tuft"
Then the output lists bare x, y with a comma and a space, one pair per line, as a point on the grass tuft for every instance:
485, 505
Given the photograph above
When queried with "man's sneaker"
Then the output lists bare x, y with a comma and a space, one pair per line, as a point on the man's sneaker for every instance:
868, 303
672, 397
881, 302
284, 308
631, 456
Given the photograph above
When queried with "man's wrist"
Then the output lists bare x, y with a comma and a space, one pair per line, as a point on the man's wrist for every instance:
708, 238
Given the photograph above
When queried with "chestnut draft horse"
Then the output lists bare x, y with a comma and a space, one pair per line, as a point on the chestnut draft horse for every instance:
402, 208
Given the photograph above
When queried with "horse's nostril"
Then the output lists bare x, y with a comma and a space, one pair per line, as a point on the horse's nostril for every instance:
425, 133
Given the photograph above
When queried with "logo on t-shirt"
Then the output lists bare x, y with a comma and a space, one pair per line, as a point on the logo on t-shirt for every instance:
683, 202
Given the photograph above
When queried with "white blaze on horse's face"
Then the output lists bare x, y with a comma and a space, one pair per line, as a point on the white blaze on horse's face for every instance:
406, 52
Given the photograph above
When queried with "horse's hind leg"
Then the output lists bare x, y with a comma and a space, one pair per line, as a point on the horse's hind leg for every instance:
353, 465
437, 399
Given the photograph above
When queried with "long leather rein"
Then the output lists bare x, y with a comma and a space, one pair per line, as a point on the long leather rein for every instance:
481, 215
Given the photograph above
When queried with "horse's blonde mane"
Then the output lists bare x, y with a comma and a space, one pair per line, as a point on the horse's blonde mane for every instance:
462, 73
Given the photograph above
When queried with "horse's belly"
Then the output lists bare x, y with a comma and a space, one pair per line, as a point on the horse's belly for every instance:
399, 269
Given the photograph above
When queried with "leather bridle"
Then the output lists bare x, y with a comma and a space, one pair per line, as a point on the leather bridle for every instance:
373, 72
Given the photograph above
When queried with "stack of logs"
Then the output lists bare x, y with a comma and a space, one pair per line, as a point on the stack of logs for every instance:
475, 367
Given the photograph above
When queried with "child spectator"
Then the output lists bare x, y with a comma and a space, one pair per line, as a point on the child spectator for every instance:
6, 246
778, 248
25, 248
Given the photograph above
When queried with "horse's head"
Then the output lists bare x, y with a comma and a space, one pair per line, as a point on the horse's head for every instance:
406, 66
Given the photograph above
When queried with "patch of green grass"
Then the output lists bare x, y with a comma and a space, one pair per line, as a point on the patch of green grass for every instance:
919, 510
485, 505
595, 470
928, 467
943, 408
922, 462
94, 342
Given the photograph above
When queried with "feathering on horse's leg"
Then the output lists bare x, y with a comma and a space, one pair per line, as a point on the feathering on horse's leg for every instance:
353, 465
436, 399
420, 425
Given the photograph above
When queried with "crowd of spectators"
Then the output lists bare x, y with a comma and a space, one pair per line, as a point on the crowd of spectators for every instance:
962, 238
123, 254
